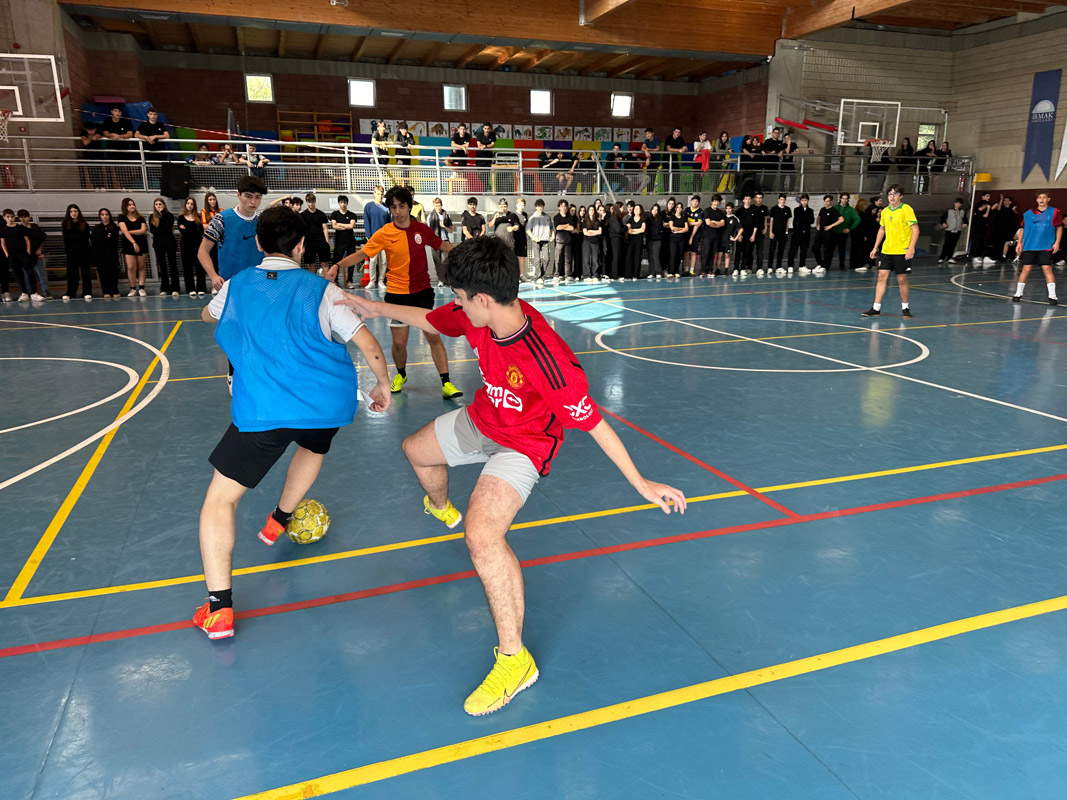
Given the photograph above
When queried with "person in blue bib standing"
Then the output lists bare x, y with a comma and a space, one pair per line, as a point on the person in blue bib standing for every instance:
234, 233
294, 381
1040, 242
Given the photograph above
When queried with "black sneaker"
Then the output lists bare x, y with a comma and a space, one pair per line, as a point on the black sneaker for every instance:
1052, 301
905, 312
1017, 298
871, 312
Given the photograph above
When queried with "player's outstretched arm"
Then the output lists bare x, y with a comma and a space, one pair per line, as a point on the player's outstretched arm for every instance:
372, 351
369, 309
659, 493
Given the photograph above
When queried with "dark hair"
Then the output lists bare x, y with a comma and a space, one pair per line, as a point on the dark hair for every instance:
295, 201
562, 203
896, 187
648, 130
782, 197
539, 203
67, 223
960, 199
473, 200
342, 198
310, 197
717, 197
747, 194
483, 265
10, 211
22, 213
251, 184
400, 195
207, 205
124, 206
729, 205
829, 196
110, 217
694, 197
116, 106
152, 110
280, 230
805, 196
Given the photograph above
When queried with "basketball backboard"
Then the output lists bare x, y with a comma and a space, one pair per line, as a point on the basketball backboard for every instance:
860, 120
30, 89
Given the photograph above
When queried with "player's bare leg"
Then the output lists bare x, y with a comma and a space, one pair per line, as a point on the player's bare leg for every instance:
429, 464
303, 470
490, 512
400, 346
883, 279
437, 351
902, 284
218, 529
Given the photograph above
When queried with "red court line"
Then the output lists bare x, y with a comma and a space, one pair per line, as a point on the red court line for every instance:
59, 644
732, 481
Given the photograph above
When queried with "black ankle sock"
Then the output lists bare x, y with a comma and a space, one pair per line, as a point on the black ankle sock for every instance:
403, 373
444, 378
281, 517
221, 599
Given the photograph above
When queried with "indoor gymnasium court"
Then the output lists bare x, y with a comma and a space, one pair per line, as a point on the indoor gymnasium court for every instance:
865, 595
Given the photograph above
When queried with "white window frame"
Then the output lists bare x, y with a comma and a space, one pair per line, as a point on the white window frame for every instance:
270, 80
373, 91
611, 107
444, 99
551, 102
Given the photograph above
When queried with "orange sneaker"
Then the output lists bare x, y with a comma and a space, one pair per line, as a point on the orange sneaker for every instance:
271, 531
216, 624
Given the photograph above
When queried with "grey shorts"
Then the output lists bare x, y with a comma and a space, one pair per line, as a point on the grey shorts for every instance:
463, 443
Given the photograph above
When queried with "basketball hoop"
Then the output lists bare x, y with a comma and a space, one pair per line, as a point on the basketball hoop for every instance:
879, 147
4, 116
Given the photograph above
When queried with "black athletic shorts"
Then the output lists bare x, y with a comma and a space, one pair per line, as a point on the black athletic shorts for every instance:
423, 299
247, 457
895, 262
1036, 258
316, 250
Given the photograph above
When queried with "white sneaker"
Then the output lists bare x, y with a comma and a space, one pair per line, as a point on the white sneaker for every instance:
88, 297
988, 260
7, 297
819, 271
648, 278
622, 280
350, 285
213, 291
133, 293
952, 261
23, 296
804, 271
658, 279
229, 384
779, 272
976, 261
142, 292
440, 284
555, 281
605, 279
192, 294
590, 280
569, 280
539, 282
65, 297
790, 271
175, 294
744, 274
862, 269
36, 296
759, 273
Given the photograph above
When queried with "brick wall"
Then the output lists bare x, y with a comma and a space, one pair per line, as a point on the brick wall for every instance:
736, 109
80, 78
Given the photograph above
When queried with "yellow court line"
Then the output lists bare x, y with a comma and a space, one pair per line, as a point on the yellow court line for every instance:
382, 770
385, 548
56, 325
37, 556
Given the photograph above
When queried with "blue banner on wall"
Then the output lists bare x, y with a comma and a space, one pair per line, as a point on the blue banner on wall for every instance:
1041, 127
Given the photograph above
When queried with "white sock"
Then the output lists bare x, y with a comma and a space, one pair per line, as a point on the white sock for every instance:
1051, 289
1019, 289
903, 306
877, 306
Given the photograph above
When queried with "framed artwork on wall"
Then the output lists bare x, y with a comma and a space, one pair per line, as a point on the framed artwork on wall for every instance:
601, 134
439, 129
583, 134
637, 134
417, 128
621, 135
524, 132
502, 131
542, 132
563, 132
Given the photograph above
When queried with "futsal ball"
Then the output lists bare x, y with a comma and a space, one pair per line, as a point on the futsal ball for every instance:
310, 522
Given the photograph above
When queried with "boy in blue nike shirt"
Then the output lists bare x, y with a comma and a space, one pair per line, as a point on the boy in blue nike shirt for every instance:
234, 233
294, 381
1040, 242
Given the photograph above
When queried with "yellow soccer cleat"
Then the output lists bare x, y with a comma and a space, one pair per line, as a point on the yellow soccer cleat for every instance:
398, 383
449, 514
449, 390
509, 676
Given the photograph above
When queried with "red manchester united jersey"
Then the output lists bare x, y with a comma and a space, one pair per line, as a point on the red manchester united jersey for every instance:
533, 388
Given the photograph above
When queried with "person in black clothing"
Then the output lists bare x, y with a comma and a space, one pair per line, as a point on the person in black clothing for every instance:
981, 220
748, 162
712, 231
676, 146
161, 226
15, 241
616, 238
117, 132
77, 247
803, 219
1005, 225
788, 168
485, 141
93, 152
654, 236
679, 231
192, 231
105, 240
404, 141
636, 227
564, 225
461, 142
317, 243
760, 242
906, 159
520, 234
154, 136
731, 239
750, 220
505, 224
828, 219
944, 153
343, 223
577, 241
36, 272
473, 223
770, 150
779, 234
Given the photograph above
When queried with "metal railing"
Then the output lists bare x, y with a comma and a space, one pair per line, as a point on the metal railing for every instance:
40, 163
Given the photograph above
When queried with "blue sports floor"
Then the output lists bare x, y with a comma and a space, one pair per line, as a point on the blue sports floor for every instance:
865, 599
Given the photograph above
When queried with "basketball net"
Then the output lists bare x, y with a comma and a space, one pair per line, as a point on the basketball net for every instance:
4, 116
879, 147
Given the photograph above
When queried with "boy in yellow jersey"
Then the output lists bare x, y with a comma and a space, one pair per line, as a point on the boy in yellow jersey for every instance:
899, 229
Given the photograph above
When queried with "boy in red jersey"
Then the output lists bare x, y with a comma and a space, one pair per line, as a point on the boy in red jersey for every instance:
533, 389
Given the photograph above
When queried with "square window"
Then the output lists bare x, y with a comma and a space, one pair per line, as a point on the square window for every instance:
360, 93
622, 104
455, 98
540, 101
259, 88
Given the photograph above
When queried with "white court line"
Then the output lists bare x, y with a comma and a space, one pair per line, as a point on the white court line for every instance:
953, 281
924, 351
879, 370
164, 376
130, 373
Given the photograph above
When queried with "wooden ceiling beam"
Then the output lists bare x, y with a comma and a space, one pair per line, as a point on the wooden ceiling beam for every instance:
598, 64
430, 56
565, 63
536, 59
282, 36
505, 56
320, 46
807, 21
395, 54
194, 37
630, 65
239, 38
150, 32
595, 9
360, 46
652, 67
472, 52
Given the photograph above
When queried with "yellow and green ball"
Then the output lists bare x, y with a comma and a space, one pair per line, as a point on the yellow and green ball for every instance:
310, 522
